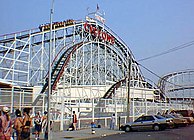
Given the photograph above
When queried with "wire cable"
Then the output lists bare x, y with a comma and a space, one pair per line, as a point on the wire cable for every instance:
158, 76
185, 45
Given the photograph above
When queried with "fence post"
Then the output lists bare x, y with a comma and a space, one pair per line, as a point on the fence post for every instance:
93, 110
119, 122
12, 100
79, 123
105, 122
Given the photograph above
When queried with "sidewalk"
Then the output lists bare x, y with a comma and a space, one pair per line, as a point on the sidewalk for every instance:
82, 134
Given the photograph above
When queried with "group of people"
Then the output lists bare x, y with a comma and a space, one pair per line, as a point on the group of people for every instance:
22, 124
40, 124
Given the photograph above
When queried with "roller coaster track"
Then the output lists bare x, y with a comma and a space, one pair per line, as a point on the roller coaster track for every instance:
33, 44
108, 95
181, 88
27, 35
164, 80
12, 39
58, 70
112, 89
61, 63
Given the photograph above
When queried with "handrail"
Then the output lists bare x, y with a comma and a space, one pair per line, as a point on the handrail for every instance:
57, 77
108, 95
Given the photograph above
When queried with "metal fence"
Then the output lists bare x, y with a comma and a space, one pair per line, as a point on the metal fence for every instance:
98, 111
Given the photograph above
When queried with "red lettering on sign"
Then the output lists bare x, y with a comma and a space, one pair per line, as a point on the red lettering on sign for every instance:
109, 38
99, 33
104, 36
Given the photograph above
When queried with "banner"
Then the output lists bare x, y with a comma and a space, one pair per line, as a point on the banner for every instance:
99, 18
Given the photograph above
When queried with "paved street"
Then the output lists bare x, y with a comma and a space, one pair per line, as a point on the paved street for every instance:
182, 133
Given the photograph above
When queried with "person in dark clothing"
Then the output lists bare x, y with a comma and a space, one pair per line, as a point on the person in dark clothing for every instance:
27, 124
38, 123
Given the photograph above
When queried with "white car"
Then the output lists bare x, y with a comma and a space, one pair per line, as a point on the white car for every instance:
148, 122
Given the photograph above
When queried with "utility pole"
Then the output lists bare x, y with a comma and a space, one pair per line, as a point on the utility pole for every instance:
50, 68
128, 89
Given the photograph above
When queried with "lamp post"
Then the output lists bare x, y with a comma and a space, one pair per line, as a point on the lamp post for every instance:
128, 89
50, 68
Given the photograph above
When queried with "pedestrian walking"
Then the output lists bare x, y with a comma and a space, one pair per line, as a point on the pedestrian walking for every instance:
112, 122
18, 123
44, 121
38, 123
45, 125
74, 121
5, 124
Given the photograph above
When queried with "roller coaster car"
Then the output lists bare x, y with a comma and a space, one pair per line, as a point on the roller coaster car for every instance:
45, 27
69, 22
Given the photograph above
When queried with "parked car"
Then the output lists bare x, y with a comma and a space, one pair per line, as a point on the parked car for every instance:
177, 120
147, 122
169, 121
189, 119
185, 113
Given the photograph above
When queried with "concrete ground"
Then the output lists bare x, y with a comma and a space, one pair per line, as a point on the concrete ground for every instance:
82, 134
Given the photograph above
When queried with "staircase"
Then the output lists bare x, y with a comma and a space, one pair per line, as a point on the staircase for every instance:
56, 72
108, 95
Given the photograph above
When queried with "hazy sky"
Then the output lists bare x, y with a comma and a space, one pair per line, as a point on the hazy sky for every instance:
148, 27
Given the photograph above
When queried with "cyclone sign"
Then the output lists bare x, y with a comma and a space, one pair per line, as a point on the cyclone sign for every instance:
99, 33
